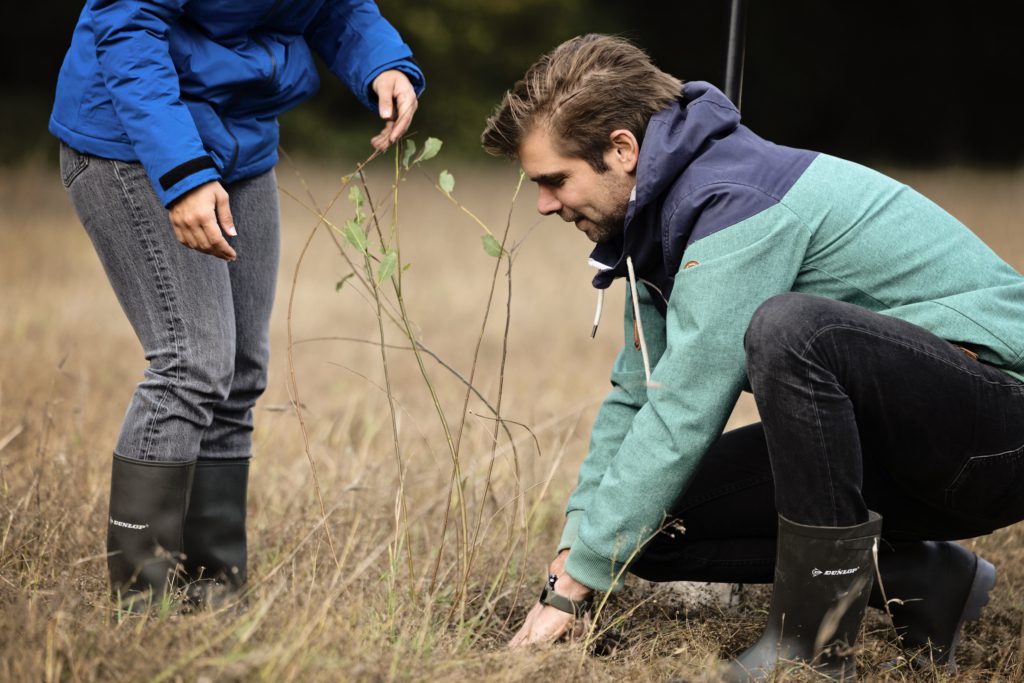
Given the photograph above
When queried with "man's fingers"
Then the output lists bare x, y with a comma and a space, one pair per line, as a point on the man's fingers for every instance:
551, 625
542, 625
581, 628
520, 638
517, 639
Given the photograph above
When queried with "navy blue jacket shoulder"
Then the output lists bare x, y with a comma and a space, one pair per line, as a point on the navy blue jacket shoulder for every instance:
700, 171
192, 88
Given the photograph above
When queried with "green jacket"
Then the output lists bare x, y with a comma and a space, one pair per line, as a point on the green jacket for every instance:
721, 221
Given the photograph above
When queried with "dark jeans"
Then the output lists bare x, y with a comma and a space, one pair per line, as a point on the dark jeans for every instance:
859, 411
202, 322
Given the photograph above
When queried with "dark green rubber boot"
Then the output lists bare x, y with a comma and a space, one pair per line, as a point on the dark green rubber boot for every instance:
215, 542
933, 587
148, 501
823, 578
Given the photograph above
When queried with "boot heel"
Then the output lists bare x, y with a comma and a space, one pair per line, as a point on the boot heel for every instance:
984, 581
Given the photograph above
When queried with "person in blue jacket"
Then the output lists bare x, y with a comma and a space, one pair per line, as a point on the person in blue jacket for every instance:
167, 114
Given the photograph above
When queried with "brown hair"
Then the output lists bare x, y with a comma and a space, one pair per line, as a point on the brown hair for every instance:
582, 90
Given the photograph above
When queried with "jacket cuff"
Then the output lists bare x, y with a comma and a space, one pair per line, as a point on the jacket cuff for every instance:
184, 177
594, 571
572, 525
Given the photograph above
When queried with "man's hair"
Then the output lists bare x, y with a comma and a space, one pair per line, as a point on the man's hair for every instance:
581, 91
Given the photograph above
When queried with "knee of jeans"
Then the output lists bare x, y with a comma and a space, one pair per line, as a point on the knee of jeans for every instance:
205, 373
246, 390
250, 375
217, 379
781, 325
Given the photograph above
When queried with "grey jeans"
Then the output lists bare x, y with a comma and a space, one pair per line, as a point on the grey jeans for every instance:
203, 323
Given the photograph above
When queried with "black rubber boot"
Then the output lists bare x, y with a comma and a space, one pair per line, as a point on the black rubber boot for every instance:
823, 578
933, 587
215, 543
148, 501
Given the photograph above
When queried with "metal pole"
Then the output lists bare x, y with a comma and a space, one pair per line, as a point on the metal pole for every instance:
737, 47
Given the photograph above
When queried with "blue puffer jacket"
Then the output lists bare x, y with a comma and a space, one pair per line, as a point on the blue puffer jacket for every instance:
192, 88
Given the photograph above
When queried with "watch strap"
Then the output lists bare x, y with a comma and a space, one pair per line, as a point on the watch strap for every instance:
548, 596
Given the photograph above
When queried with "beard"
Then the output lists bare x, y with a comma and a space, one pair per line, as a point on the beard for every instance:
598, 227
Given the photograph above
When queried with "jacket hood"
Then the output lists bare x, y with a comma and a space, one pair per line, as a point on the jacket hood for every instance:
674, 138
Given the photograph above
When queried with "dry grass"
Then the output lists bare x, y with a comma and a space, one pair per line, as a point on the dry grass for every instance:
68, 363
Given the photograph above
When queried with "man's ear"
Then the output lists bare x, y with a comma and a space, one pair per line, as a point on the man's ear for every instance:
625, 149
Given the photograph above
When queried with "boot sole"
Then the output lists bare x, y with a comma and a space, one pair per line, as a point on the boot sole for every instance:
983, 583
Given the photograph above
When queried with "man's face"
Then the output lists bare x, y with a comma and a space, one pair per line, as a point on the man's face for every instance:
595, 202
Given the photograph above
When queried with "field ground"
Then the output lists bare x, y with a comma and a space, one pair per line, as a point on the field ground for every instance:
382, 604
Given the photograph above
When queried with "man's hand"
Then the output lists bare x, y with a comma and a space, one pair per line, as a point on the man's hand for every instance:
546, 624
397, 102
199, 217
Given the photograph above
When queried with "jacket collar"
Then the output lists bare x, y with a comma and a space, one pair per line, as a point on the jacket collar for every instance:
675, 137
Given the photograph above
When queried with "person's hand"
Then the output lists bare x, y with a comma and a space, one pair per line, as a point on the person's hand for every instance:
200, 216
546, 624
397, 103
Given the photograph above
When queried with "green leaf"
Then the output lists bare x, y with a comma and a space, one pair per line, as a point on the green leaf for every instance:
387, 266
492, 246
410, 149
430, 149
340, 283
355, 195
355, 235
447, 181
406, 267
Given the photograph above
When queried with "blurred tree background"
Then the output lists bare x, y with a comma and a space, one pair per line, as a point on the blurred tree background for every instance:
912, 81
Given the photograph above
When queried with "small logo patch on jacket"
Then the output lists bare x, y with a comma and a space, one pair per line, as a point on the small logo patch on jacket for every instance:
690, 264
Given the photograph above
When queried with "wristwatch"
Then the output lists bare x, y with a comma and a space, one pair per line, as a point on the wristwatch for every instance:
548, 596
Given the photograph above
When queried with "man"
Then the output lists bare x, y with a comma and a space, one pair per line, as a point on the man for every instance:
883, 343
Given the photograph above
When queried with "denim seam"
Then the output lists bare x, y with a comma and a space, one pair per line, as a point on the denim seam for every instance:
924, 351
824, 460
956, 484
154, 256
80, 164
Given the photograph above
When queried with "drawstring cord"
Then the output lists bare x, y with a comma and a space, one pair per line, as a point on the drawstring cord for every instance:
636, 317
597, 313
